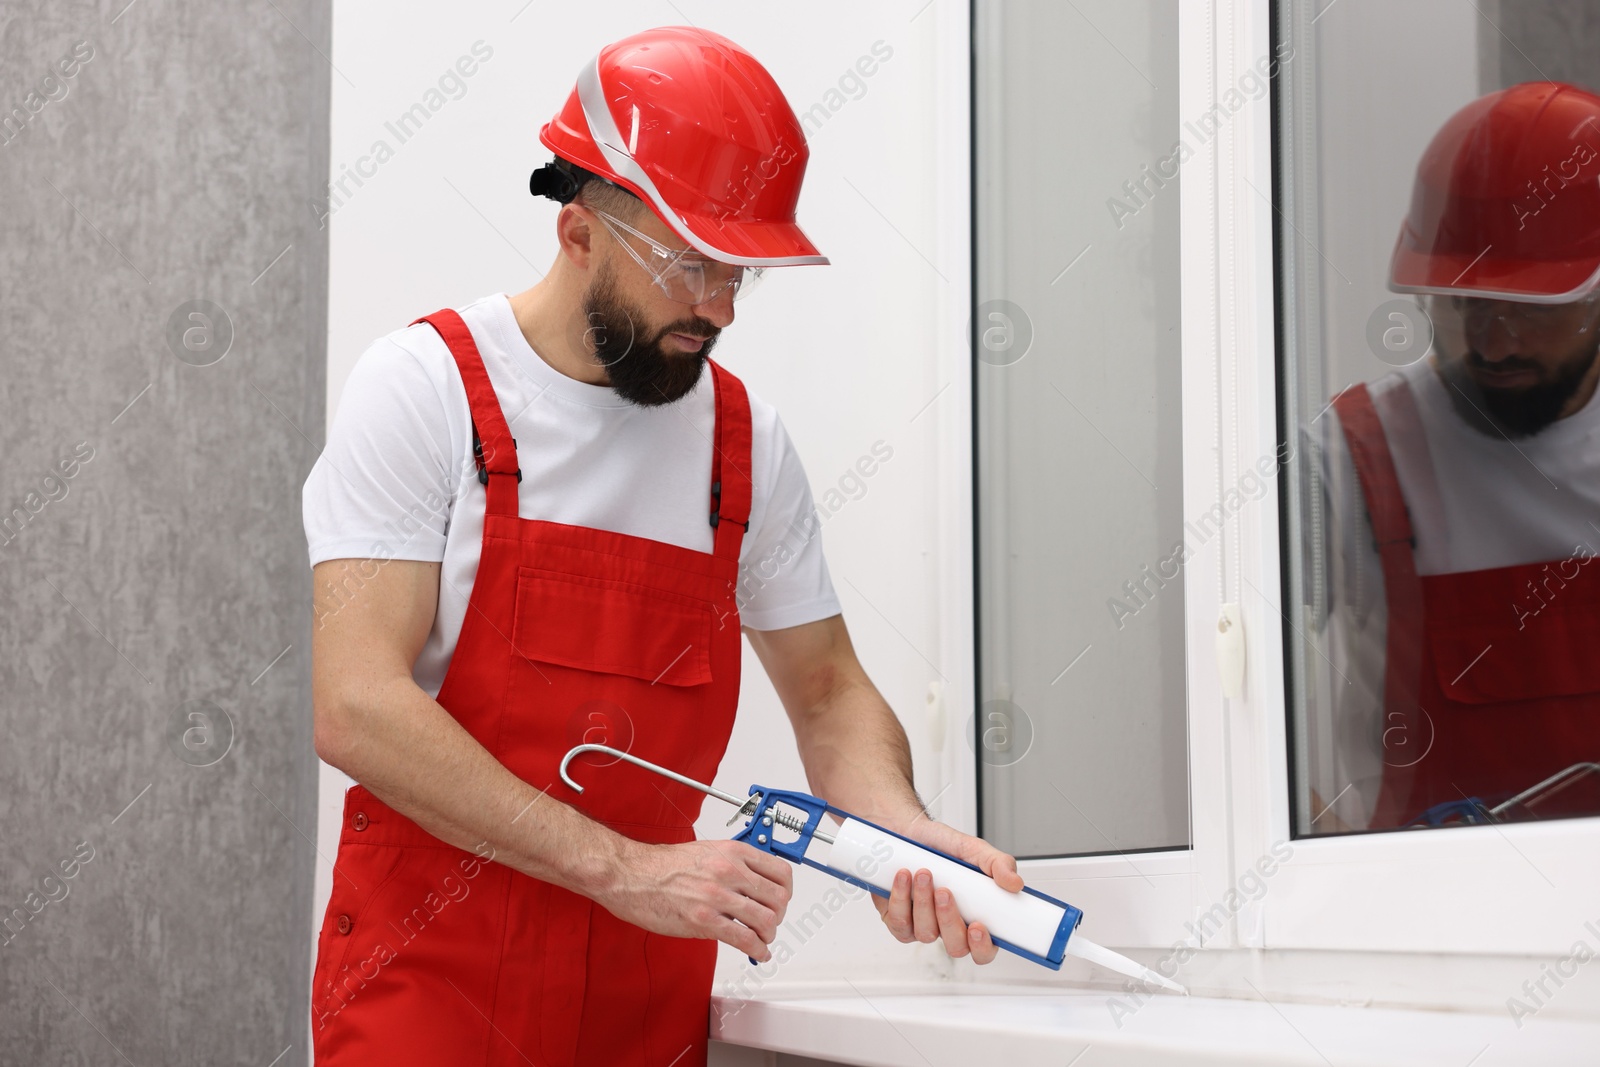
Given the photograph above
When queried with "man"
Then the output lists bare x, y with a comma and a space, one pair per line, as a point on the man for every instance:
530, 530
1465, 491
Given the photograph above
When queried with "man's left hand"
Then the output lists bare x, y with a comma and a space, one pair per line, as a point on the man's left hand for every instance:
916, 911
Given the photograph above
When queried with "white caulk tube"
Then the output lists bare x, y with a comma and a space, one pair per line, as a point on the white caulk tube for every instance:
1039, 925
1029, 922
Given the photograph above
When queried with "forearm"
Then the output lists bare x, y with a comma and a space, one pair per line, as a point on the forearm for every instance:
856, 755
414, 756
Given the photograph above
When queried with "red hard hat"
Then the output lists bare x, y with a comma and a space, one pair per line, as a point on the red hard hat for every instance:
690, 123
1507, 200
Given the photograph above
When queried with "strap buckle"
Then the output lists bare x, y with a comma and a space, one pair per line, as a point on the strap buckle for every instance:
1378, 544
716, 506
483, 469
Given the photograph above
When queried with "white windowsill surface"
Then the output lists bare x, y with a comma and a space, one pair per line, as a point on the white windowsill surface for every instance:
939, 1024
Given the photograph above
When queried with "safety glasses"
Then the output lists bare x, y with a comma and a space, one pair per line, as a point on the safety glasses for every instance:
1461, 317
680, 273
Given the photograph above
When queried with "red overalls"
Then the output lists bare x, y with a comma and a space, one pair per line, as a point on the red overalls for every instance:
1483, 696
431, 955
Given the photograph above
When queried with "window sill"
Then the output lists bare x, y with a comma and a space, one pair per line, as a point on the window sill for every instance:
933, 1024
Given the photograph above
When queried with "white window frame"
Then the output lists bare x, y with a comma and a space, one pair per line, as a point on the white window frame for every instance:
1518, 889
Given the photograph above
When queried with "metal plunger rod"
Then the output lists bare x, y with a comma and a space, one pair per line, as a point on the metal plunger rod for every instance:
739, 802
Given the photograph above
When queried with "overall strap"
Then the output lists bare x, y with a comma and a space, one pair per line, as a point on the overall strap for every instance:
1405, 733
730, 464
1380, 483
1408, 440
495, 453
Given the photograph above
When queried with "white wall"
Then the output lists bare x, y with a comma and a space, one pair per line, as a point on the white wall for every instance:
850, 353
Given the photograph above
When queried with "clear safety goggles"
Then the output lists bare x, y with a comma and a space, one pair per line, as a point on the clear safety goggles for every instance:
1466, 320
681, 273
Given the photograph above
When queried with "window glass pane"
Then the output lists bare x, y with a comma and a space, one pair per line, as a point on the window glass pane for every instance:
1081, 732
1438, 187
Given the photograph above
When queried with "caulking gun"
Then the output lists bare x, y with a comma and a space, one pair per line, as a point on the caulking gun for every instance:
1029, 923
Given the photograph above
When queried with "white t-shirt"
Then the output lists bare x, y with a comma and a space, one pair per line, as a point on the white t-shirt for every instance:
397, 479
1491, 503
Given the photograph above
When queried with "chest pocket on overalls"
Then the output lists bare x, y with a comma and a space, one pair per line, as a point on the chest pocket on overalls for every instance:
1520, 704
1551, 657
609, 626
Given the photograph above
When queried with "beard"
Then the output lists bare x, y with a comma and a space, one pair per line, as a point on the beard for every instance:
642, 370
1514, 412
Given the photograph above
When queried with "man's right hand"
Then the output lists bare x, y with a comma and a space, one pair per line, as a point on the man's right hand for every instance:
726, 890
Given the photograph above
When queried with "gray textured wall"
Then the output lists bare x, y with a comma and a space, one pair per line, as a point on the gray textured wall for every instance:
156, 862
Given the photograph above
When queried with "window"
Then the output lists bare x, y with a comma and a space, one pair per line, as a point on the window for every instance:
1081, 726
1294, 114
1437, 205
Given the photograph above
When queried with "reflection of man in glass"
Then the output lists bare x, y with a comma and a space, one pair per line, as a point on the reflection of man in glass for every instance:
1466, 487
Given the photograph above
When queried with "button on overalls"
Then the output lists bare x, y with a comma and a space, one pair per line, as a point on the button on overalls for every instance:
1479, 699
430, 954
